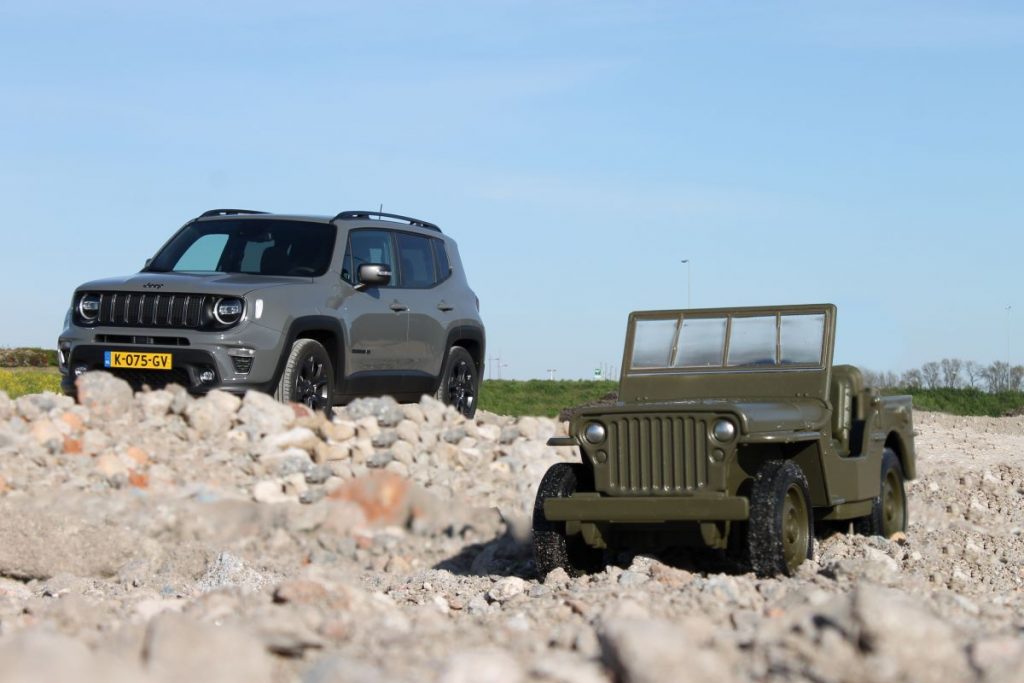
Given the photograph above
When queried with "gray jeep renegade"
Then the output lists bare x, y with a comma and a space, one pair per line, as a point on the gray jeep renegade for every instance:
313, 309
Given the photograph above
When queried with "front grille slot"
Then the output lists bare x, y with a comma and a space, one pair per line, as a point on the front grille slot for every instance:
657, 455
141, 339
134, 309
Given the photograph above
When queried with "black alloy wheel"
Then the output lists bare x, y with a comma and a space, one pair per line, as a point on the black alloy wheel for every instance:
460, 383
308, 376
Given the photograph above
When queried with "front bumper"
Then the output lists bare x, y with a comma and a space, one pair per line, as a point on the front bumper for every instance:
192, 351
188, 364
592, 507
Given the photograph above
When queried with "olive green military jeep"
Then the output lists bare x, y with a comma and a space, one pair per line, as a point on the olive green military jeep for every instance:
733, 429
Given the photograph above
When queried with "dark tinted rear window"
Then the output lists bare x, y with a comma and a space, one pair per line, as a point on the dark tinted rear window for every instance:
259, 247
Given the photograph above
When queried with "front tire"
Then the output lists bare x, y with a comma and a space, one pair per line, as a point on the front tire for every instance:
780, 534
889, 511
308, 376
552, 547
460, 382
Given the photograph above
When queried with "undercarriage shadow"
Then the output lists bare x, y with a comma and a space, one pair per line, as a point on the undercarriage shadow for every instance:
504, 555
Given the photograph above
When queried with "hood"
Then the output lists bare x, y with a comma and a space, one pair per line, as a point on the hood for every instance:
227, 284
764, 415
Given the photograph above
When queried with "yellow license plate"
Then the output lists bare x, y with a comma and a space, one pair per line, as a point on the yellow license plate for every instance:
136, 361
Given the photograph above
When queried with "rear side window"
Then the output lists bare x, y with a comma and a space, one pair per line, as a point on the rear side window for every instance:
416, 261
444, 269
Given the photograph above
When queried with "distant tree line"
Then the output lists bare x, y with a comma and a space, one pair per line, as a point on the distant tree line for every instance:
953, 373
27, 358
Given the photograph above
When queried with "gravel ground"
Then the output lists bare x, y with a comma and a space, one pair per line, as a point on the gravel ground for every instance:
157, 537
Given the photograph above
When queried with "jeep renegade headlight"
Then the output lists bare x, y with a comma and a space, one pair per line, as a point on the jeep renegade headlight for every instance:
228, 311
594, 432
89, 307
724, 430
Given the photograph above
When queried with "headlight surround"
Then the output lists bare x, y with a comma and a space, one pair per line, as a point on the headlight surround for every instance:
88, 307
228, 310
594, 433
723, 430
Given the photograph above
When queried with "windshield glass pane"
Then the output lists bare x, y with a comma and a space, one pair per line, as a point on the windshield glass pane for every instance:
652, 342
259, 247
752, 341
701, 343
802, 337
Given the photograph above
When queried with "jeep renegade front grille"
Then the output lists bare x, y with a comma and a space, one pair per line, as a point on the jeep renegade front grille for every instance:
657, 455
135, 309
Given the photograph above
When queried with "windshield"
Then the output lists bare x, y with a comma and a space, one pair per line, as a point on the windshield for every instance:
727, 341
257, 247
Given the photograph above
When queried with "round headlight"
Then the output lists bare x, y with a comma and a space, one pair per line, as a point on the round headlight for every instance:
228, 311
89, 306
724, 430
594, 432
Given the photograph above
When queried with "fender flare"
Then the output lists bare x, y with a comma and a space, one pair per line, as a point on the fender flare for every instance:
308, 323
463, 333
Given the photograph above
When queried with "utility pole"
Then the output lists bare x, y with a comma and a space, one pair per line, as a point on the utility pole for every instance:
688, 280
551, 373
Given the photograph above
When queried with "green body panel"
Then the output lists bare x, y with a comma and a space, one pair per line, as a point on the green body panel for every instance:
660, 460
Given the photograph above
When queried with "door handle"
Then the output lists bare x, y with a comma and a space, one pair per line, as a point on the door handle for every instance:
398, 308
445, 306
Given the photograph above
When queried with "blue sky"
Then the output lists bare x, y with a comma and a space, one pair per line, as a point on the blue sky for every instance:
869, 154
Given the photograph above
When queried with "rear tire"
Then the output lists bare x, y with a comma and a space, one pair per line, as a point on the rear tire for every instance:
460, 382
889, 511
308, 376
780, 534
552, 547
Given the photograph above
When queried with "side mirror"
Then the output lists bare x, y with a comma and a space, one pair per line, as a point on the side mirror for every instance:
374, 275
149, 262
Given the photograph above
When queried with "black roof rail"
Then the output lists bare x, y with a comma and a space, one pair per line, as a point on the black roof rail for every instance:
227, 212
364, 215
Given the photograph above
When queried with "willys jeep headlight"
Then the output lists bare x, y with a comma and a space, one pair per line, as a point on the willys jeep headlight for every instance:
594, 432
724, 430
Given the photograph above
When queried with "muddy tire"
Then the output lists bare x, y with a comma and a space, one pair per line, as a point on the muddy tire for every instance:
780, 534
460, 382
552, 547
308, 376
889, 511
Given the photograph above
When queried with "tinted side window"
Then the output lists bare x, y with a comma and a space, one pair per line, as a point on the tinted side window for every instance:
441, 256
416, 261
367, 246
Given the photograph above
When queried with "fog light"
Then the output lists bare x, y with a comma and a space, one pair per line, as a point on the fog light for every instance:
207, 376
594, 432
80, 370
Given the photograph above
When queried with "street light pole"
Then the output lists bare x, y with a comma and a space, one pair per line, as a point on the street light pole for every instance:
1008, 364
687, 262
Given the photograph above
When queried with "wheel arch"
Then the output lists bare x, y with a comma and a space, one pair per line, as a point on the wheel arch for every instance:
323, 329
470, 338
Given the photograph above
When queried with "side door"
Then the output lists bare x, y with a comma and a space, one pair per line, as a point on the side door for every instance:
422, 282
377, 321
